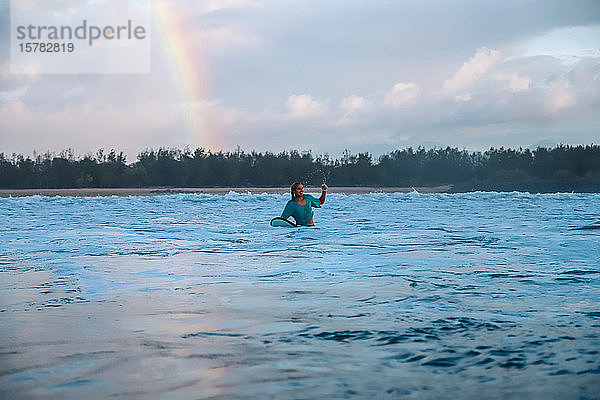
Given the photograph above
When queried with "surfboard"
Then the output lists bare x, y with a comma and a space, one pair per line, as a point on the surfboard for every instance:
279, 222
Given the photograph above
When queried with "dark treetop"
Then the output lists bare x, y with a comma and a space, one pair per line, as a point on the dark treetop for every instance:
563, 168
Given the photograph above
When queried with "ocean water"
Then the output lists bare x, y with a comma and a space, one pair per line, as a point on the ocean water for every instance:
412, 296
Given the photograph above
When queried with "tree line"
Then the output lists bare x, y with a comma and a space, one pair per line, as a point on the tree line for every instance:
561, 167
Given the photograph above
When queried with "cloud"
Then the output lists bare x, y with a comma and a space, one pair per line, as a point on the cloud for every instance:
471, 71
209, 6
13, 95
9, 79
458, 73
230, 37
402, 95
518, 83
302, 106
88, 126
355, 104
566, 43
558, 96
586, 75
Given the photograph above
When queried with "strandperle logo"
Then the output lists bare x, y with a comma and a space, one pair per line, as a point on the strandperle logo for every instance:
85, 31
75, 36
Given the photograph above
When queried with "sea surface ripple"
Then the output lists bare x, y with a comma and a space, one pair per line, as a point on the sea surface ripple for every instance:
422, 296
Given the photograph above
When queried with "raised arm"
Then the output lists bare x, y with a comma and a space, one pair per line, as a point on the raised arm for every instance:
323, 193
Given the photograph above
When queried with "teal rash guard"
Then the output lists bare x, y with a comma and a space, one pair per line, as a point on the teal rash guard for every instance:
301, 213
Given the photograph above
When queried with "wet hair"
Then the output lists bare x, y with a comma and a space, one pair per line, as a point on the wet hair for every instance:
293, 188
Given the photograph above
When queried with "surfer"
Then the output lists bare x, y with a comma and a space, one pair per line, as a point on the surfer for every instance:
300, 206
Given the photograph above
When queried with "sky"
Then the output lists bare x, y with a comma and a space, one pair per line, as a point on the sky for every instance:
325, 76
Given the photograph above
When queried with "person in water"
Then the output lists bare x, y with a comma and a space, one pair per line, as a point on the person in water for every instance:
300, 206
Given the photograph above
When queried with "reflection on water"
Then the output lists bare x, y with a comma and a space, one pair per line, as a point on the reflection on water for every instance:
390, 295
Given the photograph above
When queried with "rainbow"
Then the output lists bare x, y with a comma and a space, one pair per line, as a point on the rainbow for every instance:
183, 52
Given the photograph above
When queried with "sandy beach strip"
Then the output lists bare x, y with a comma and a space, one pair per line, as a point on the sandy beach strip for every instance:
157, 191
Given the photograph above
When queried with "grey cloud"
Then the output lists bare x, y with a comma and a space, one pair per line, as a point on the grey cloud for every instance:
346, 47
328, 51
